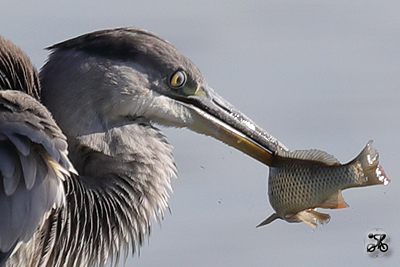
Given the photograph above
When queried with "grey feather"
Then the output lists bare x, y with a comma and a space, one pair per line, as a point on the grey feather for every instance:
20, 143
29, 166
30, 186
8, 170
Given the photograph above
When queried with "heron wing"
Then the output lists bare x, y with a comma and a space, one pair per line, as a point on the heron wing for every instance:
33, 162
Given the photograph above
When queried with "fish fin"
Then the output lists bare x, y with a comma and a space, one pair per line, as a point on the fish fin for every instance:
369, 160
335, 201
270, 219
313, 218
309, 154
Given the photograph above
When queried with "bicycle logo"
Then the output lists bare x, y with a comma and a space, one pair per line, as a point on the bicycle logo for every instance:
379, 245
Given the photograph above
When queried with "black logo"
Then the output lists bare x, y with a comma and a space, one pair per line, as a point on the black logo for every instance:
377, 243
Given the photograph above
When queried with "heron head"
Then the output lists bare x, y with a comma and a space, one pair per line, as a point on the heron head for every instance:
129, 73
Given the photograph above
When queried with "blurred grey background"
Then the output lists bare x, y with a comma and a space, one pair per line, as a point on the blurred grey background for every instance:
314, 74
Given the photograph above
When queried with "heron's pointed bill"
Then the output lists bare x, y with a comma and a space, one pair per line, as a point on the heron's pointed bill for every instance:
214, 116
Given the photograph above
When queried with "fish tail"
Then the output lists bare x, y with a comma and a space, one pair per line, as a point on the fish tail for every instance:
369, 161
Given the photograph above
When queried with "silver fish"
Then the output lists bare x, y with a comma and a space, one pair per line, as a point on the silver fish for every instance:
302, 180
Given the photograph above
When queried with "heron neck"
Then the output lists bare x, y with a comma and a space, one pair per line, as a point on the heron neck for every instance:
124, 179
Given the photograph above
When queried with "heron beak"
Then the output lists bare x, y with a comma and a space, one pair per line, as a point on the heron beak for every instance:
214, 116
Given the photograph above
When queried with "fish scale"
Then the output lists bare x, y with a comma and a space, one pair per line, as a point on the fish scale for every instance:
301, 181
322, 180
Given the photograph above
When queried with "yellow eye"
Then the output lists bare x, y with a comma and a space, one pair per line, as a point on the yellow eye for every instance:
178, 79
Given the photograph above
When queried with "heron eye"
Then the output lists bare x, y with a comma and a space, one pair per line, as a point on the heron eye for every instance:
178, 79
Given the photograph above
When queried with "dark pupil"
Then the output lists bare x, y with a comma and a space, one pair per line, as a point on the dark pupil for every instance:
179, 79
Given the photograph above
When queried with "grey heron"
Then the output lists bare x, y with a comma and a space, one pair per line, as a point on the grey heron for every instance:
106, 90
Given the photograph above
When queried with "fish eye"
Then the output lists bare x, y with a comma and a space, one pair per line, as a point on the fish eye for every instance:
177, 79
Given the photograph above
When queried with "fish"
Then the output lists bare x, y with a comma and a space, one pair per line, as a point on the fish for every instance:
301, 181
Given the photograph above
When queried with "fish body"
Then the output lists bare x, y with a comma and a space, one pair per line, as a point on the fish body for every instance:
302, 180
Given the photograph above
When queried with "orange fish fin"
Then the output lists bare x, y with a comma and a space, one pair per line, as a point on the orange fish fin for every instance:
335, 201
313, 218
271, 218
